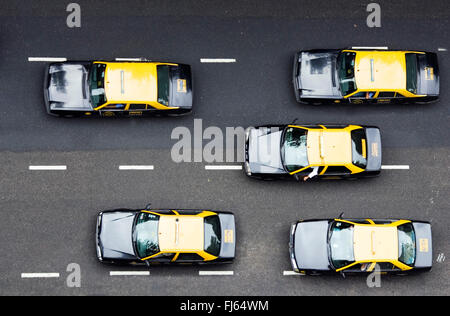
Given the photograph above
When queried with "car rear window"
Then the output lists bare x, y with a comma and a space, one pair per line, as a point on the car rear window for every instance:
163, 84
359, 148
411, 73
212, 235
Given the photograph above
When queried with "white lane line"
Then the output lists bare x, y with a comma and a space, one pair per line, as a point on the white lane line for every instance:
440, 49
370, 47
217, 60
223, 167
62, 167
136, 167
129, 273
395, 167
287, 273
129, 59
47, 59
39, 275
203, 273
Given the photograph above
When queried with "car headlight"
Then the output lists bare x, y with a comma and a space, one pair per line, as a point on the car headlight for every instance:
247, 168
247, 133
97, 239
294, 264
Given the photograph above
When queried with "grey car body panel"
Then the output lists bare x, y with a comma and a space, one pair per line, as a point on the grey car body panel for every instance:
116, 240
264, 150
311, 245
318, 75
68, 87
227, 249
424, 259
374, 159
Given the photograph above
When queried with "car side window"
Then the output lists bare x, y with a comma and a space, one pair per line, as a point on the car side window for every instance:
305, 172
163, 257
115, 106
337, 170
387, 266
359, 95
386, 94
138, 106
189, 257
360, 267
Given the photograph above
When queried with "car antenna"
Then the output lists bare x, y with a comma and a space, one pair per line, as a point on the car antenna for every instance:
148, 206
340, 215
295, 120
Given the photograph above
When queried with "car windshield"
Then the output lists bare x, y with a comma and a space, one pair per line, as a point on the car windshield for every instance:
406, 244
163, 84
340, 244
359, 148
97, 84
212, 235
346, 71
145, 234
293, 150
411, 72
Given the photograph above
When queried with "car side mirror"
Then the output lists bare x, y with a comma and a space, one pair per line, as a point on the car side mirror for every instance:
343, 274
294, 121
341, 215
296, 177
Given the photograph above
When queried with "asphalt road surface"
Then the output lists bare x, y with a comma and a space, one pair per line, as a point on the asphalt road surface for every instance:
48, 217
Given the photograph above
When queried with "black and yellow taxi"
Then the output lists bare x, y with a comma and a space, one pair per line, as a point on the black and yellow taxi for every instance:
328, 151
165, 236
355, 246
117, 88
365, 76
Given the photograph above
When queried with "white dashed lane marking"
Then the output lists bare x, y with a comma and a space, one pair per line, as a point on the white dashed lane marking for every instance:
47, 59
205, 273
129, 273
39, 275
223, 167
289, 273
217, 60
46, 168
136, 167
395, 167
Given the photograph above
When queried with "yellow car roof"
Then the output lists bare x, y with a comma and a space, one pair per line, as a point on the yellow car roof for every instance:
380, 70
329, 147
375, 242
178, 233
131, 82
